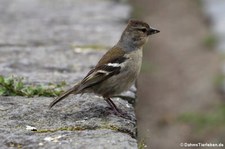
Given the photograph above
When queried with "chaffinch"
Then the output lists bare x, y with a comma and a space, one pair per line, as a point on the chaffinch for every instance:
118, 69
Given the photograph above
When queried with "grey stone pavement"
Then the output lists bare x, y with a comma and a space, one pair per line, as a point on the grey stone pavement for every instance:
40, 40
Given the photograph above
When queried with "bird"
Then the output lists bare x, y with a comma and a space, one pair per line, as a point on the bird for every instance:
118, 68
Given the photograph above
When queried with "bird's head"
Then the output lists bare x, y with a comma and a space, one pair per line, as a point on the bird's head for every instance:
136, 33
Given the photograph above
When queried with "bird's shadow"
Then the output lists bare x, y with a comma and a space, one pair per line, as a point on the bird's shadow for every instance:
88, 113
95, 112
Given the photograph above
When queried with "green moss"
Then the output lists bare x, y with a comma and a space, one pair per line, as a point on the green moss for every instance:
219, 80
15, 86
14, 145
86, 127
71, 128
141, 144
117, 128
203, 121
91, 46
210, 41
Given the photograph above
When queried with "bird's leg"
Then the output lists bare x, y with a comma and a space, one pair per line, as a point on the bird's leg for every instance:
115, 109
112, 105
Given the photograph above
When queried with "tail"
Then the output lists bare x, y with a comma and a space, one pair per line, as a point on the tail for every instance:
64, 95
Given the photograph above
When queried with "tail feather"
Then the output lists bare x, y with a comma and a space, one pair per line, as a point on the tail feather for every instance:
64, 95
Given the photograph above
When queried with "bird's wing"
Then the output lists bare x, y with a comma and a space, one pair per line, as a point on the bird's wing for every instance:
106, 67
102, 72
98, 75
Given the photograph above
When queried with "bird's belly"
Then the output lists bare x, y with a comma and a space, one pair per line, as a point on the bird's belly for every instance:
113, 87
118, 83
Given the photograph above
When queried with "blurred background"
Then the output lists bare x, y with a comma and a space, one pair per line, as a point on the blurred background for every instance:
181, 87
180, 92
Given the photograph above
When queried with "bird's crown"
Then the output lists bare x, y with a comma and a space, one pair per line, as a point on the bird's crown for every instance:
137, 23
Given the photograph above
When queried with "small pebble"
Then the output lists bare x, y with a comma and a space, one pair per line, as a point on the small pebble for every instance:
31, 128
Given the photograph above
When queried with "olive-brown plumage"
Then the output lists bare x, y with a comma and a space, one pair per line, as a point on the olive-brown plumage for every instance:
118, 69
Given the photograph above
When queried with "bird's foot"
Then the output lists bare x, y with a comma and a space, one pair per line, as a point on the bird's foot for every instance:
115, 110
118, 112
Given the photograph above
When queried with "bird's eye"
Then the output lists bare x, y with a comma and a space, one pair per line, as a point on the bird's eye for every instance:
144, 30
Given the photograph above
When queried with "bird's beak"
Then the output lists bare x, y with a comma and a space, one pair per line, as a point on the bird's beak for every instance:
152, 31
